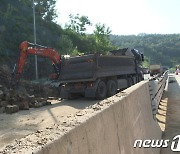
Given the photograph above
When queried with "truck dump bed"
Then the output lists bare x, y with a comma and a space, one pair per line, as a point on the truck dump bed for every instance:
155, 67
91, 67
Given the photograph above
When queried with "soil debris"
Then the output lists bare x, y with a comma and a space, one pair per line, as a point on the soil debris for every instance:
25, 95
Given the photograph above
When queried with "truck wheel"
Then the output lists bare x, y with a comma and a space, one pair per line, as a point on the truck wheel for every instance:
101, 90
140, 78
111, 88
130, 81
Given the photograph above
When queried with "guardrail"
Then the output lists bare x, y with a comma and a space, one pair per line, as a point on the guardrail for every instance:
156, 89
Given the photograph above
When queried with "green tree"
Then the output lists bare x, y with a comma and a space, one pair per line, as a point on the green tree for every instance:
65, 45
78, 23
101, 34
46, 9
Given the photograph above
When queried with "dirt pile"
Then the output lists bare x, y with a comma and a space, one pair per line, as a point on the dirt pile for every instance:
41, 90
23, 96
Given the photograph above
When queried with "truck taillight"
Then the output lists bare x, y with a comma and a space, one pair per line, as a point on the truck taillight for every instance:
53, 76
90, 60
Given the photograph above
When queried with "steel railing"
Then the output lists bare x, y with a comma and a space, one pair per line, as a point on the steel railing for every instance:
156, 89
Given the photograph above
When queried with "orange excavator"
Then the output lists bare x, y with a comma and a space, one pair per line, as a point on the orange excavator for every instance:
27, 48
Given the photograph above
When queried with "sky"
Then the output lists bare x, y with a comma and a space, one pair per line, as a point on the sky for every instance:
125, 17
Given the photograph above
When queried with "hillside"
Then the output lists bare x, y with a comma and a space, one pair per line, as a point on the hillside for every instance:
163, 49
16, 25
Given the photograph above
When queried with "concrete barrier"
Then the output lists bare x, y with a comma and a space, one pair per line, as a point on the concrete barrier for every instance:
114, 129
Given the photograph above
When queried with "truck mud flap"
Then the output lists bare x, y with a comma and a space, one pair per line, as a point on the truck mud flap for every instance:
91, 92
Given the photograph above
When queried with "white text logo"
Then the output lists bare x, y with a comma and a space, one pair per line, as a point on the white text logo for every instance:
175, 144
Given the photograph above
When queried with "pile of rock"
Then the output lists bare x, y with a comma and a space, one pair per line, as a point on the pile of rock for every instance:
12, 101
23, 97
41, 90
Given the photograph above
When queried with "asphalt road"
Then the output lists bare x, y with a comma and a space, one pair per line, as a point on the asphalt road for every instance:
172, 123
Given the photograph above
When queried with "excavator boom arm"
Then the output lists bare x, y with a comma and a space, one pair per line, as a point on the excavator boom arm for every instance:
40, 51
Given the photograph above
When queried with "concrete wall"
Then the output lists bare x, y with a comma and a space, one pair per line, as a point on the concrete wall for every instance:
113, 130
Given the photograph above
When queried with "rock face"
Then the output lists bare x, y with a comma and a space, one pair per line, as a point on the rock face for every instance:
24, 95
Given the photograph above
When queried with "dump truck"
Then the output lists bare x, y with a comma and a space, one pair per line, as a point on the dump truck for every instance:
100, 76
155, 69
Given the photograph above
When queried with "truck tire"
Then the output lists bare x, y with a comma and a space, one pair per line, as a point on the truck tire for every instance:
101, 90
140, 78
130, 81
111, 88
